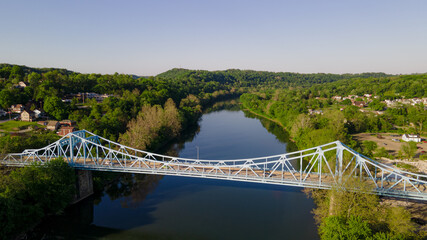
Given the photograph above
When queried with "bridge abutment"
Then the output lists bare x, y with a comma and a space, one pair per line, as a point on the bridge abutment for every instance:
84, 185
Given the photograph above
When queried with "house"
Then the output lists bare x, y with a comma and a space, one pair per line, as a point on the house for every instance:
22, 84
52, 125
38, 113
17, 108
311, 112
359, 104
69, 123
27, 116
66, 130
411, 137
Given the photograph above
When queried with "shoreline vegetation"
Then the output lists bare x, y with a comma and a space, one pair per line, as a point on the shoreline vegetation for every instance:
270, 119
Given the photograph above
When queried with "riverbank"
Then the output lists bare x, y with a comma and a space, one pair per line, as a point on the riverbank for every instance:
270, 119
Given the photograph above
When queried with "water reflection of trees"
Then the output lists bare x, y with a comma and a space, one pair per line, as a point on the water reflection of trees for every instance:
230, 105
133, 189
276, 130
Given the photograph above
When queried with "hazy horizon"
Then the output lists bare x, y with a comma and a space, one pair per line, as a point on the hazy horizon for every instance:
210, 71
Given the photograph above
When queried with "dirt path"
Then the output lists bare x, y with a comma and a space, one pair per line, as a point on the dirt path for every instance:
421, 165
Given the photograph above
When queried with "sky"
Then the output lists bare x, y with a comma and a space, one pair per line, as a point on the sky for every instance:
149, 37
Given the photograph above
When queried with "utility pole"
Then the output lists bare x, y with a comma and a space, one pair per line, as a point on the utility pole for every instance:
197, 152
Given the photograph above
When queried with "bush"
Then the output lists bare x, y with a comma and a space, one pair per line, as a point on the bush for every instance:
382, 152
336, 227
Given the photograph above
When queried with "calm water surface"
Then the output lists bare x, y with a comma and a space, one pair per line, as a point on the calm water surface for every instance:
156, 207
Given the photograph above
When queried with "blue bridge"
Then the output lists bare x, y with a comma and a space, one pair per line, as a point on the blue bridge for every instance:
322, 167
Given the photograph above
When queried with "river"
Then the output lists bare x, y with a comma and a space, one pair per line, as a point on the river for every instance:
170, 207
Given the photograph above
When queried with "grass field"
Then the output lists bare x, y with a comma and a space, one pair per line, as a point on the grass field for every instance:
13, 126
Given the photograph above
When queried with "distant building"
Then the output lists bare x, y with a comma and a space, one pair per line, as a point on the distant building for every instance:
17, 108
337, 98
66, 130
84, 96
27, 116
359, 104
67, 122
311, 112
38, 113
22, 84
411, 138
52, 125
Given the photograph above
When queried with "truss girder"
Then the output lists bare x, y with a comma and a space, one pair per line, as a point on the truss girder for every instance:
321, 167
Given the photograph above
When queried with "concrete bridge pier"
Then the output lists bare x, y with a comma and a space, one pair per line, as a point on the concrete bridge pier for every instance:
84, 185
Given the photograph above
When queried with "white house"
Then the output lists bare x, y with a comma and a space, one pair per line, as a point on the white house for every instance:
411, 137
38, 113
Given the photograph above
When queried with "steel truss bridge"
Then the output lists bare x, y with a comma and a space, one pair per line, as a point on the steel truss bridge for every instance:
322, 167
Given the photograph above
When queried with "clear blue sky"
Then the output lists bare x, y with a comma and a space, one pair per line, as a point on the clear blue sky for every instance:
150, 37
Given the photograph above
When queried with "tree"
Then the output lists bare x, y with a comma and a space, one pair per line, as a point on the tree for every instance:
340, 228
381, 152
34, 79
399, 221
418, 116
346, 102
28, 193
55, 107
369, 147
302, 122
358, 214
377, 105
153, 126
17, 74
6, 98
409, 149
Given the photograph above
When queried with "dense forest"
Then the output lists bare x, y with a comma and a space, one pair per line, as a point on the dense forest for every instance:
188, 89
